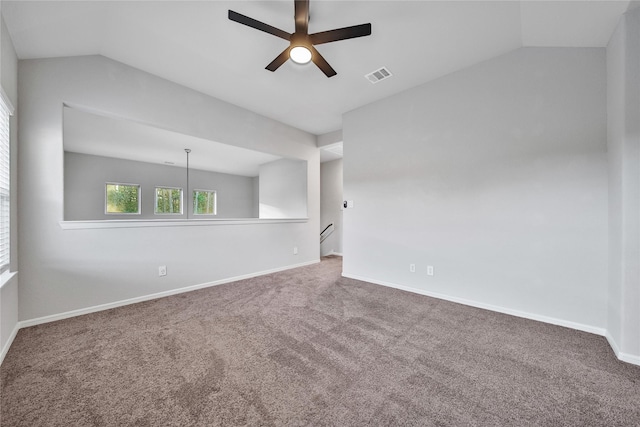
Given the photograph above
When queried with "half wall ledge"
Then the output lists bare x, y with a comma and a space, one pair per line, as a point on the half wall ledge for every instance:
138, 223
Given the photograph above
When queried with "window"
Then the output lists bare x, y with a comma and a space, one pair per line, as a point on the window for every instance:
122, 198
204, 202
6, 110
168, 200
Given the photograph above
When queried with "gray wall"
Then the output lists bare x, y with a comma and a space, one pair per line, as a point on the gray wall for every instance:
9, 289
623, 84
495, 175
255, 213
331, 205
282, 189
85, 177
63, 270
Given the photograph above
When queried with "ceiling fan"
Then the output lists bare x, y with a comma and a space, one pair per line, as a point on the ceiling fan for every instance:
301, 48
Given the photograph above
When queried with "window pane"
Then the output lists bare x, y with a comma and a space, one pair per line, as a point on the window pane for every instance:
5, 182
123, 198
204, 202
168, 200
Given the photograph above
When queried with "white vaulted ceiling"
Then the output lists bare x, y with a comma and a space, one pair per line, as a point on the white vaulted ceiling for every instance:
194, 44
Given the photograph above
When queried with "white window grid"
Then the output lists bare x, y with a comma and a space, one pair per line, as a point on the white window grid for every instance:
6, 111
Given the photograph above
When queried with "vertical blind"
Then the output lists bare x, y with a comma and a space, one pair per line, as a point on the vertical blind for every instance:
5, 182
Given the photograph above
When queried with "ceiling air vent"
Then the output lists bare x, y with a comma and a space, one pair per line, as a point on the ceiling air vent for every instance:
378, 75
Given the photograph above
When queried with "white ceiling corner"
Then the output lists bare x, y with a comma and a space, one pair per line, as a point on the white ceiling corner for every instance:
570, 23
331, 152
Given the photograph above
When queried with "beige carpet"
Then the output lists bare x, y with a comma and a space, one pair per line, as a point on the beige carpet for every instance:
307, 347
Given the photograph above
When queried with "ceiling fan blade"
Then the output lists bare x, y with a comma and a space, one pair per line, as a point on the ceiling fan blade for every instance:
302, 16
250, 22
280, 59
321, 62
341, 34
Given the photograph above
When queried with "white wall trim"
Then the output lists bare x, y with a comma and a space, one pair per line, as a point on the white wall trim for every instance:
7, 345
613, 344
7, 102
137, 223
629, 358
491, 307
6, 277
102, 307
625, 357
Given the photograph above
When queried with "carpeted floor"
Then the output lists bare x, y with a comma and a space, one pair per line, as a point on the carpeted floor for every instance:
307, 347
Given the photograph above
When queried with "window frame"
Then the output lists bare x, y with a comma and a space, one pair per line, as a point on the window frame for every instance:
106, 198
6, 187
155, 200
215, 202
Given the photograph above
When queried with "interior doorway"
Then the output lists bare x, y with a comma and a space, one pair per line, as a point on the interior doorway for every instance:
331, 199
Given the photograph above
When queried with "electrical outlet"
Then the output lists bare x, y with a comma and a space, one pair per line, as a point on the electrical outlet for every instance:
295, 250
429, 270
162, 270
412, 268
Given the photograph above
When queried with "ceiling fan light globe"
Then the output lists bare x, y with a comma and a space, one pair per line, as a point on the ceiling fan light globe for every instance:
300, 55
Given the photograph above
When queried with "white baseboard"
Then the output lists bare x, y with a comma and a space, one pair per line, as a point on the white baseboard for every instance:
629, 358
625, 357
612, 343
102, 307
7, 345
491, 307
334, 253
